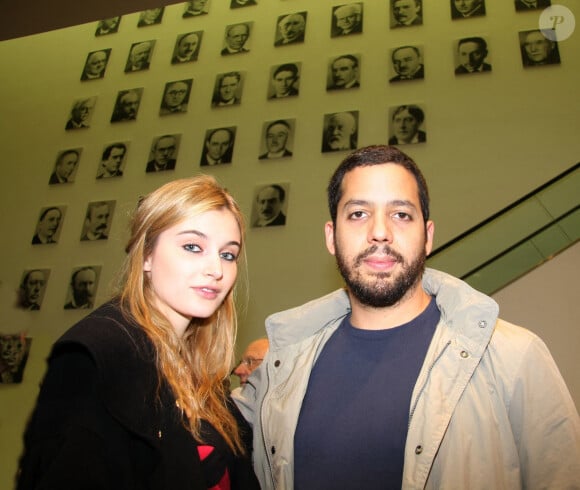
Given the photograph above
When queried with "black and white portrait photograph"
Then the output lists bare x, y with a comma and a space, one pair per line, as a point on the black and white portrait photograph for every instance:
340, 131
407, 125
48, 225
108, 26
97, 221
407, 64
139, 58
81, 113
218, 146
277, 139
537, 49
270, 205
65, 167
96, 64
406, 13
14, 350
284, 80
472, 56
236, 4
82, 287
113, 160
523, 5
290, 29
228, 89
127, 105
194, 8
150, 17
163, 153
343, 72
175, 97
347, 19
466, 9
237, 38
31, 290
187, 47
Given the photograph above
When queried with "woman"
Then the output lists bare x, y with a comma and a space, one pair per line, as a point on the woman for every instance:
135, 393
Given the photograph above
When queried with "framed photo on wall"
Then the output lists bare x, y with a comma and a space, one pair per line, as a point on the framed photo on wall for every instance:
407, 125
187, 47
127, 105
270, 205
277, 139
97, 223
290, 29
346, 19
65, 167
175, 97
163, 153
48, 225
32, 288
113, 160
218, 146
340, 131
81, 113
96, 64
82, 287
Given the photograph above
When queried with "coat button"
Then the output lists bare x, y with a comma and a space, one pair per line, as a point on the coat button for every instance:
277, 363
419, 449
273, 450
464, 354
482, 324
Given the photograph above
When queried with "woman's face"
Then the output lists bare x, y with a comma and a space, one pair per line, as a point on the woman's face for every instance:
194, 266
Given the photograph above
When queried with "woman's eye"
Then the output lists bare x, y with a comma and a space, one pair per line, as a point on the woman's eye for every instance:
229, 256
192, 247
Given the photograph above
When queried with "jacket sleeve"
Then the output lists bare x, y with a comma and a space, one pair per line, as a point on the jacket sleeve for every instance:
61, 447
545, 422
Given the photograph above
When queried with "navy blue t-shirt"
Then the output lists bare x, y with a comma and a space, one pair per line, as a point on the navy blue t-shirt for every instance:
353, 423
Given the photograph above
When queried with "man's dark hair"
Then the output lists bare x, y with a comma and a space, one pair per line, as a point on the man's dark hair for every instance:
349, 57
235, 74
67, 152
375, 155
291, 67
109, 149
77, 272
414, 110
414, 48
48, 210
278, 121
477, 40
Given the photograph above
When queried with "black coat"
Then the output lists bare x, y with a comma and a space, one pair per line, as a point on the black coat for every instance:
101, 423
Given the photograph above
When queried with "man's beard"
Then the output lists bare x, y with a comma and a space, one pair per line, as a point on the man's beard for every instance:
387, 289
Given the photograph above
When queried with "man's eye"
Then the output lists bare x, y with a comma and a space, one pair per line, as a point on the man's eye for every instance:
192, 247
402, 216
357, 215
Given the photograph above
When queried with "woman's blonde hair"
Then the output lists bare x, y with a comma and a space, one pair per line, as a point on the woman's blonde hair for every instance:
197, 365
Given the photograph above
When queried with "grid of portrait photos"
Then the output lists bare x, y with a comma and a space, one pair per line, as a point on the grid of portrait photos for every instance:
405, 120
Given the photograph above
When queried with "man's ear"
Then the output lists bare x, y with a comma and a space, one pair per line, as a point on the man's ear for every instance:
429, 233
329, 234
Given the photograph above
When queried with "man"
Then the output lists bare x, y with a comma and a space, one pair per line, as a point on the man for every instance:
176, 97
64, 168
347, 20
236, 37
253, 356
532, 4
277, 133
406, 13
31, 290
408, 63
471, 53
406, 121
269, 204
47, 227
291, 29
96, 221
82, 287
341, 132
139, 56
127, 105
80, 114
406, 378
195, 8
108, 26
112, 161
162, 152
463, 9
227, 87
284, 81
95, 65
344, 72
186, 48
219, 146
150, 17
538, 50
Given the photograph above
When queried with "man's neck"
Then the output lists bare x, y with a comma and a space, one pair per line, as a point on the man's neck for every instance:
409, 307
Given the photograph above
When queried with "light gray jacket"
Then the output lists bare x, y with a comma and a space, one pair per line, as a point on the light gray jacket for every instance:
490, 409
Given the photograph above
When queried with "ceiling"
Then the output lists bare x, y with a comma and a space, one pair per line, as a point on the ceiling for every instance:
26, 17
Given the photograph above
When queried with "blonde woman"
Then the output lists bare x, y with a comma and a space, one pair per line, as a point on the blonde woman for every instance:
135, 393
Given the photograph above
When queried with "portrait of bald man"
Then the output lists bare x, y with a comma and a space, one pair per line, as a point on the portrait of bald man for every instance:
139, 57
187, 47
347, 19
32, 288
96, 64
340, 131
290, 29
